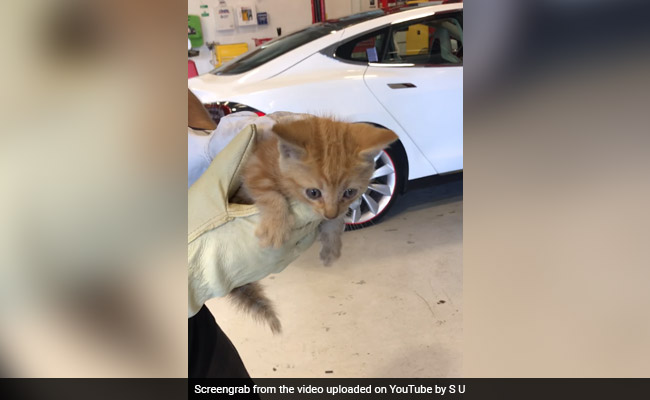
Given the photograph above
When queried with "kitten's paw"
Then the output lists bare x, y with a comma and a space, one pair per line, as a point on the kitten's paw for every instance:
274, 232
328, 255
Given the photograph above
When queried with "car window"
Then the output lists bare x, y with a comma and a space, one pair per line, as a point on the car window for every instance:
435, 40
366, 48
273, 49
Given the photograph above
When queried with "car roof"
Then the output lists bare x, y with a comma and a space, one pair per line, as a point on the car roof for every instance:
270, 53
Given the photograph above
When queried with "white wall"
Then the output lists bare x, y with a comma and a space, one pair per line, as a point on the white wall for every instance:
341, 8
290, 15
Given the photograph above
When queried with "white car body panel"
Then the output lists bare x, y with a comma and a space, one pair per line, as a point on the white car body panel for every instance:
305, 80
319, 85
435, 123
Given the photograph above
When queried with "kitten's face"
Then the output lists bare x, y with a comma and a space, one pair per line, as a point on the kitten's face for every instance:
328, 164
328, 192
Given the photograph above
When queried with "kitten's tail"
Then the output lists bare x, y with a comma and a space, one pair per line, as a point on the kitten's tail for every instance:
251, 299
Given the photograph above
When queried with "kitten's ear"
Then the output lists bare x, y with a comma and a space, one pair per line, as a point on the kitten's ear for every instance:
288, 150
372, 140
291, 136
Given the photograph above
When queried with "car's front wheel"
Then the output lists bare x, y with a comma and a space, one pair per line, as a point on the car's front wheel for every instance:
385, 185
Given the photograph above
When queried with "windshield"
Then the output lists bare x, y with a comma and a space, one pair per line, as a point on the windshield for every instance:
275, 48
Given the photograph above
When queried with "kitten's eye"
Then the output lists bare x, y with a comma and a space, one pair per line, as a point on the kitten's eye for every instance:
313, 193
349, 193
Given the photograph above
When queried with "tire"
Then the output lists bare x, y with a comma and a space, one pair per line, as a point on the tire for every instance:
387, 183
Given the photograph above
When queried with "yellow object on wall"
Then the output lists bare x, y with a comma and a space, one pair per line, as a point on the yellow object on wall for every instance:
226, 52
417, 40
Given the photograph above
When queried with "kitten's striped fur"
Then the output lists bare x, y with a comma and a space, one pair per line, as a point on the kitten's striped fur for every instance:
336, 158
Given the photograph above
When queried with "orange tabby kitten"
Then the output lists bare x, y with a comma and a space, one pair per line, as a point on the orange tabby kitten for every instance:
319, 161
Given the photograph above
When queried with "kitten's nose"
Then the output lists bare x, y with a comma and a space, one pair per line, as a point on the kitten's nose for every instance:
331, 214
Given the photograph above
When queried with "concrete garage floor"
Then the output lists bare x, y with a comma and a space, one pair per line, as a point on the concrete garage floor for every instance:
390, 307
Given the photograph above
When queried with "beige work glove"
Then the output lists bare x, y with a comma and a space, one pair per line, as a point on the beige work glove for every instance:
223, 252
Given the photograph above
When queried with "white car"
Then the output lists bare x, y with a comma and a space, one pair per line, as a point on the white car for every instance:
400, 69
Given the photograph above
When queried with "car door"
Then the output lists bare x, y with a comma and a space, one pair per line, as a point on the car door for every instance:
418, 79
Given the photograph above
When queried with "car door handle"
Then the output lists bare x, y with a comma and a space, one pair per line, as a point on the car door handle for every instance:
401, 85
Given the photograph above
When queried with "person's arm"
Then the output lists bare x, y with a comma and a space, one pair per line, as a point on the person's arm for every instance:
223, 251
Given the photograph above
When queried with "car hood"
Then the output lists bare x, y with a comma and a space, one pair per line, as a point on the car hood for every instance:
210, 88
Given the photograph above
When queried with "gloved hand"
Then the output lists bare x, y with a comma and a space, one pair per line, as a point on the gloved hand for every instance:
223, 251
